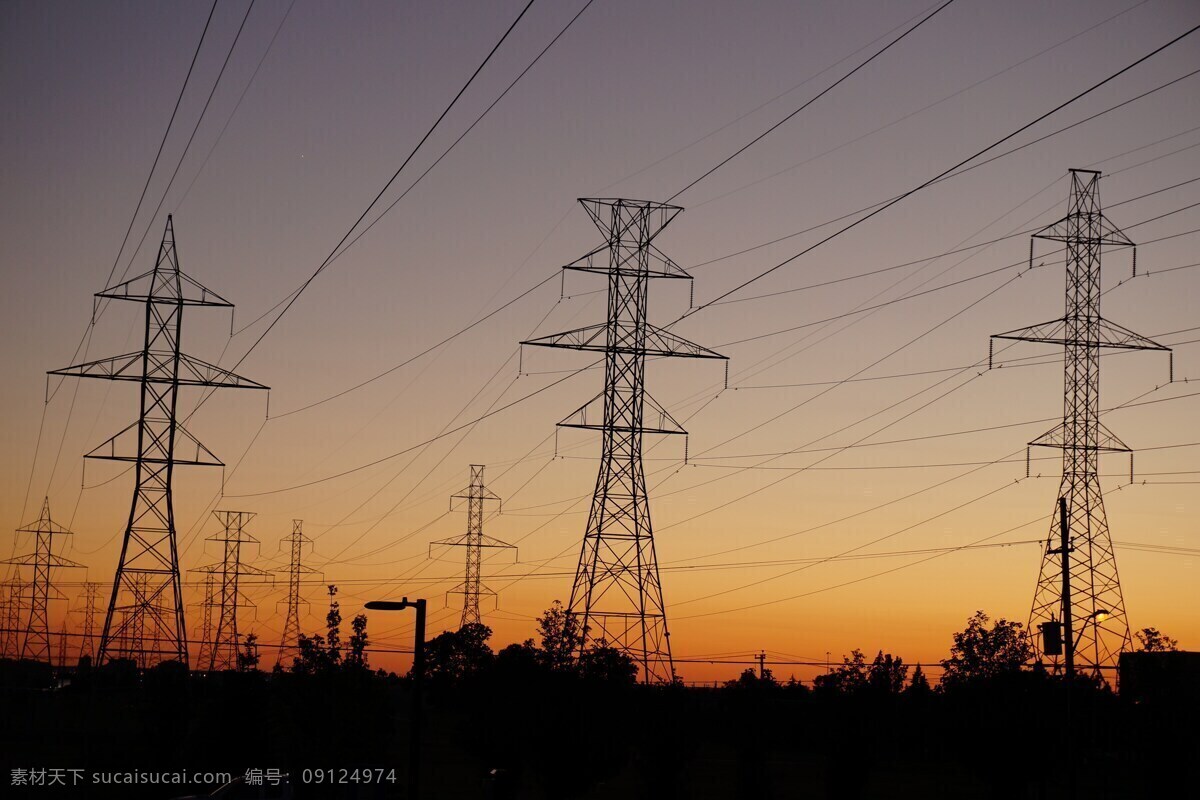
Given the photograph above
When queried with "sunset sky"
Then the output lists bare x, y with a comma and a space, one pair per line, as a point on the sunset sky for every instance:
910, 443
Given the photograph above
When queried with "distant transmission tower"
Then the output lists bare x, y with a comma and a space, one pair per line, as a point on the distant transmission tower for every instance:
289, 644
225, 640
34, 630
62, 646
1097, 627
87, 644
149, 545
617, 592
474, 541
207, 604
10, 640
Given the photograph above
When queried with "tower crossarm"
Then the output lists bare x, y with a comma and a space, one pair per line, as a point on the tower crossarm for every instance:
1107, 334
158, 366
188, 291
657, 342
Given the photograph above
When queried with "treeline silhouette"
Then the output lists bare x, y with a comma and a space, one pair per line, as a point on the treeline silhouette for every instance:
537, 719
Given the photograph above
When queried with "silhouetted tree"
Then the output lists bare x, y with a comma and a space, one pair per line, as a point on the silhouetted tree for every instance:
311, 656
982, 653
749, 679
357, 657
454, 655
887, 674
603, 663
919, 685
851, 676
333, 623
247, 659
561, 636
1151, 640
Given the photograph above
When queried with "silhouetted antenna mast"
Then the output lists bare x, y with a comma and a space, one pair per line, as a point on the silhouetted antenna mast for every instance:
289, 645
474, 541
617, 592
34, 630
156, 443
1093, 591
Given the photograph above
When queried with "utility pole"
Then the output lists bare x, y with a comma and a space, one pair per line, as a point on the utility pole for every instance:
762, 664
617, 592
224, 654
474, 541
35, 629
289, 645
156, 443
1091, 578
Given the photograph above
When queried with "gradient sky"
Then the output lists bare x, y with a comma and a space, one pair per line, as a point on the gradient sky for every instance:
638, 99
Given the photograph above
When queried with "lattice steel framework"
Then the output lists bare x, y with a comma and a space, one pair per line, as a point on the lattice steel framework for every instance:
617, 593
156, 443
296, 542
34, 630
207, 603
225, 640
474, 540
87, 642
10, 639
1101, 628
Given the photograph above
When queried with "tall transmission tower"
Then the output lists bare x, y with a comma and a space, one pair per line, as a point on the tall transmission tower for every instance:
225, 641
1087, 600
156, 443
87, 643
617, 593
289, 644
34, 630
474, 540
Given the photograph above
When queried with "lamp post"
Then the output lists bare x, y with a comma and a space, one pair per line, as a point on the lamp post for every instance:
418, 673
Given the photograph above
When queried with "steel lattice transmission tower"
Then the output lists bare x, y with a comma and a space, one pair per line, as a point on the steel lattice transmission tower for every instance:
225, 639
205, 640
1092, 590
10, 644
474, 540
156, 443
289, 644
617, 593
87, 644
34, 630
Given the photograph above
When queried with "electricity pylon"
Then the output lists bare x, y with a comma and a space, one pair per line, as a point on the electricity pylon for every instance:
34, 629
10, 641
289, 644
153, 443
1091, 590
204, 656
225, 640
87, 644
617, 594
474, 541
62, 646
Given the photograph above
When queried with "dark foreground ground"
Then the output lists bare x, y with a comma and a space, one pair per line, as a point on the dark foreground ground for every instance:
568, 738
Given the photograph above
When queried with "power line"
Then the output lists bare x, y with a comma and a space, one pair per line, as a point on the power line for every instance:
942, 174
805, 105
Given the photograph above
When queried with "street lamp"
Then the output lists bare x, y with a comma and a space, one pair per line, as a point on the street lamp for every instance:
418, 673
